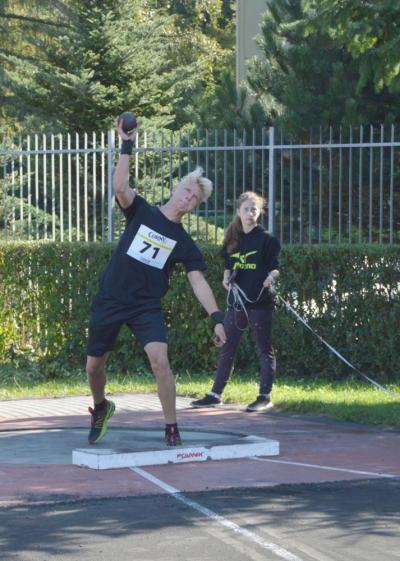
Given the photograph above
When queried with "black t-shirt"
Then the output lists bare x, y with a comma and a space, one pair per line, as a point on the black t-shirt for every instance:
146, 254
255, 257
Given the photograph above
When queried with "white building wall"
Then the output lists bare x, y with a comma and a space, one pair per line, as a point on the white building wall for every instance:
248, 19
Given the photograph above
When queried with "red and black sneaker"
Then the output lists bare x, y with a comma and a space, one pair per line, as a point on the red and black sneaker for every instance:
100, 418
172, 436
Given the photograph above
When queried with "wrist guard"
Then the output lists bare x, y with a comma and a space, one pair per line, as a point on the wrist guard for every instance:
127, 147
217, 317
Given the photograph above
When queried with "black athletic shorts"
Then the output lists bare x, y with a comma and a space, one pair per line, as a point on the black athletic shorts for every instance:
146, 322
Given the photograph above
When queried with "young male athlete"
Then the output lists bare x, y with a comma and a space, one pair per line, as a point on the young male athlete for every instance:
136, 279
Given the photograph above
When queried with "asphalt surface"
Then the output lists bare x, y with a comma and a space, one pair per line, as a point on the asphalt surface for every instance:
352, 521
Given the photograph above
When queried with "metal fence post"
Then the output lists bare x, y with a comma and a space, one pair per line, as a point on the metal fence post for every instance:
271, 182
110, 191
5, 187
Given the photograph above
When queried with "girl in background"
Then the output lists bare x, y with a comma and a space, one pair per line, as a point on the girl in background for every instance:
251, 267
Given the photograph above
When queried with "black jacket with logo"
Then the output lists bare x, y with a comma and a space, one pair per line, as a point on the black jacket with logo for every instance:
255, 257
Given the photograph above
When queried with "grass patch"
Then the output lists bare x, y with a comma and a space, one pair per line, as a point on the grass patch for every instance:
345, 401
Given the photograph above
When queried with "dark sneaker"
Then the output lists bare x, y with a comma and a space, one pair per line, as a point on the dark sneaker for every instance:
207, 401
100, 422
172, 436
260, 404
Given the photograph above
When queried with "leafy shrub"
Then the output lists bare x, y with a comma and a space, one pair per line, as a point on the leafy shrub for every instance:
348, 294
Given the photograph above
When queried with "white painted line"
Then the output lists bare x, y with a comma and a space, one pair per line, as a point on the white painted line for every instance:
330, 468
279, 551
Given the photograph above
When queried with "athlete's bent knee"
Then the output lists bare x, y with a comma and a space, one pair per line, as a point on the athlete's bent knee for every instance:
95, 366
159, 364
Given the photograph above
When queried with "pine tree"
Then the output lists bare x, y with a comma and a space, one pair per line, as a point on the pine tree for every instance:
110, 56
20, 20
307, 79
369, 32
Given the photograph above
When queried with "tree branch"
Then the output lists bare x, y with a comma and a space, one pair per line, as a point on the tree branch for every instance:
33, 20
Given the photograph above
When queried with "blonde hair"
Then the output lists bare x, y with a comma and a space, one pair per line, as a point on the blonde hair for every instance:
204, 183
233, 231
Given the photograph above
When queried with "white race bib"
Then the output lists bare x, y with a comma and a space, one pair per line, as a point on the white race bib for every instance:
150, 247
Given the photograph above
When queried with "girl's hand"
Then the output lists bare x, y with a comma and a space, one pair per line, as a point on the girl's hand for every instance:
219, 337
227, 279
268, 281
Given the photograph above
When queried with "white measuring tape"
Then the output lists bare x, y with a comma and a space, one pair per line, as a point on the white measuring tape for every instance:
239, 299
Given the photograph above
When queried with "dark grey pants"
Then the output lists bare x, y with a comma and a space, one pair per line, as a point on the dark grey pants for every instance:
260, 323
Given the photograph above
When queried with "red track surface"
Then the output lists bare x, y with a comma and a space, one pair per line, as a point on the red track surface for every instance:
303, 440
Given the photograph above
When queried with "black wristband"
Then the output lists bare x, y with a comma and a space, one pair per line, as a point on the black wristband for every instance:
127, 147
217, 317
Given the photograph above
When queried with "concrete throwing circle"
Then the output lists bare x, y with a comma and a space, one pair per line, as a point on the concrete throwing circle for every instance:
126, 447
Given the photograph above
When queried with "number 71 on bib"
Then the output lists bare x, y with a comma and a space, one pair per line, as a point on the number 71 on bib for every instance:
151, 247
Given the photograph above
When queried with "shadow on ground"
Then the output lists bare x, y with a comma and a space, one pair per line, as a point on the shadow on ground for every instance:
360, 514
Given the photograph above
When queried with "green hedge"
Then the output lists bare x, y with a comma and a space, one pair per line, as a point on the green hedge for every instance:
349, 295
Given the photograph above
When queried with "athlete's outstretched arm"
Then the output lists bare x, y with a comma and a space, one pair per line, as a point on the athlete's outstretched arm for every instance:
205, 296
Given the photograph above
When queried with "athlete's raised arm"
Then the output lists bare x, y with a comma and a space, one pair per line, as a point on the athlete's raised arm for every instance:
123, 191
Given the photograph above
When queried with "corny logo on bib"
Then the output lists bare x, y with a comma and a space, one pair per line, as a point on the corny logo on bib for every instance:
150, 247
